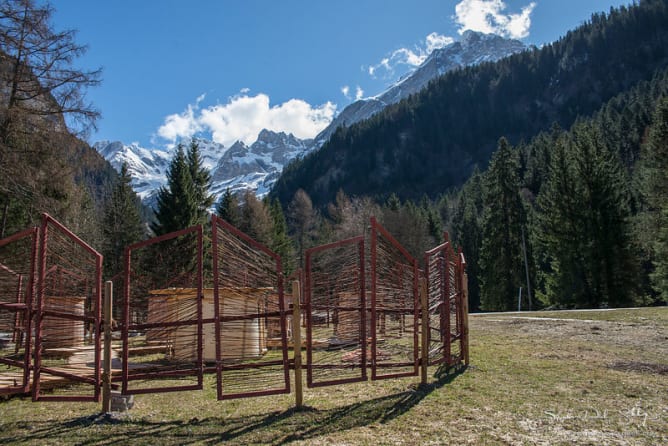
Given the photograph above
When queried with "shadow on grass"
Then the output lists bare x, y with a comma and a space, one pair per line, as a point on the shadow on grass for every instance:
274, 428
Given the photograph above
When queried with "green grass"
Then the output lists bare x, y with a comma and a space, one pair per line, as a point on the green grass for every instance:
569, 378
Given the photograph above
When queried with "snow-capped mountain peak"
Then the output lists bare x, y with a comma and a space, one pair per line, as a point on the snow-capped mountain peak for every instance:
257, 166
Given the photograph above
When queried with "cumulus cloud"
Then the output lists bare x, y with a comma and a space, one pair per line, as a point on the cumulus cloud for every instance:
180, 125
488, 16
244, 116
409, 57
345, 90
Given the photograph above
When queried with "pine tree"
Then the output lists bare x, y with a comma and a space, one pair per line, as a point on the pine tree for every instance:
467, 228
558, 232
177, 207
201, 182
584, 218
122, 223
501, 260
655, 192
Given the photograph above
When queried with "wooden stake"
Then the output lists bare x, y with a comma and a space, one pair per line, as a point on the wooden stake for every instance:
106, 371
424, 303
297, 343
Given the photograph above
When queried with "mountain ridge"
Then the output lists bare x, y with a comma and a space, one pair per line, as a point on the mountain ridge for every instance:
431, 142
257, 166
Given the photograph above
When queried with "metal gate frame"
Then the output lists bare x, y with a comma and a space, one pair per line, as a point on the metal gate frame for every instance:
93, 319
378, 230
441, 302
309, 311
25, 307
218, 223
127, 326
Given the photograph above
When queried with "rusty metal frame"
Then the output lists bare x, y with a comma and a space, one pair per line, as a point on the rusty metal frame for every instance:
218, 223
95, 319
198, 370
442, 253
450, 264
22, 307
308, 308
378, 230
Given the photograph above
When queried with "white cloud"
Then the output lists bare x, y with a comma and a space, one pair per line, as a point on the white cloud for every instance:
410, 57
244, 116
346, 91
488, 16
435, 41
359, 93
181, 125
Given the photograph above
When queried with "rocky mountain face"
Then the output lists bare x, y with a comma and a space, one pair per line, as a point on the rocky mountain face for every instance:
474, 48
240, 167
257, 166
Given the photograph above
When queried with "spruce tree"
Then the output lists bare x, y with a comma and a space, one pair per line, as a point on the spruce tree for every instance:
122, 223
467, 231
501, 260
655, 192
558, 232
584, 220
177, 207
201, 182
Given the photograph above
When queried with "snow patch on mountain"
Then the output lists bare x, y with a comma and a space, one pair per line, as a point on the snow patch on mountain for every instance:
258, 166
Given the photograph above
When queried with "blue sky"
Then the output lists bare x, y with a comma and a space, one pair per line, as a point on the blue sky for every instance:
226, 69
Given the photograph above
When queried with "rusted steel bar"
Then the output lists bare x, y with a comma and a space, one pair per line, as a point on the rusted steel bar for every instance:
297, 342
40, 307
106, 376
424, 301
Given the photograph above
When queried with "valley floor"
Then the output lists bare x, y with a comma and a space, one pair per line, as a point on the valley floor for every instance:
595, 377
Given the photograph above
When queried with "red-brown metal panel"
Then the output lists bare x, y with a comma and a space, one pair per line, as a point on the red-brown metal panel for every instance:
17, 275
162, 314
68, 316
249, 310
336, 313
395, 309
444, 272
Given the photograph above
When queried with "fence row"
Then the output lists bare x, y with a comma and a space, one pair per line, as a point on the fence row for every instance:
188, 305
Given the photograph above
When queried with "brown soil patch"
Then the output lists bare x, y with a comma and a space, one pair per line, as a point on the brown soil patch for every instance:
641, 367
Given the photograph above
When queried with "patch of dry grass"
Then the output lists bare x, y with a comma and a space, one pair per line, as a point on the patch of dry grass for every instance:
551, 378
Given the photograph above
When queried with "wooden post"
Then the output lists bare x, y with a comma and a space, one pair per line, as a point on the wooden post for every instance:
297, 343
465, 317
424, 304
106, 361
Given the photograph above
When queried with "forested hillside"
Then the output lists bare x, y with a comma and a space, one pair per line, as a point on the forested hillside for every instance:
548, 168
433, 140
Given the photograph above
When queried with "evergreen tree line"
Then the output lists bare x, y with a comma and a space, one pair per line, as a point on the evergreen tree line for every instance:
432, 141
578, 216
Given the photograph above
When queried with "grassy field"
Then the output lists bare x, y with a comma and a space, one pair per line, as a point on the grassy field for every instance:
594, 378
